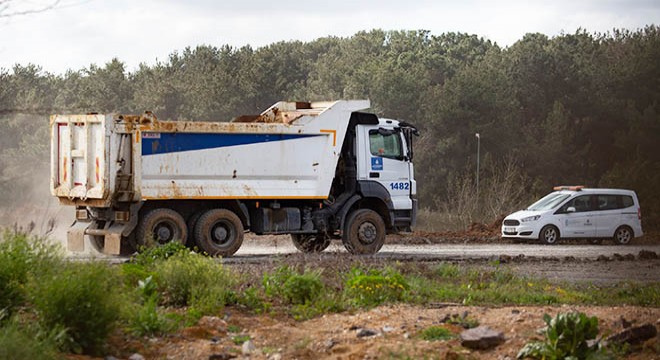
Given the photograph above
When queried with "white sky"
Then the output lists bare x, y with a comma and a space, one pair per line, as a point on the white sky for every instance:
83, 32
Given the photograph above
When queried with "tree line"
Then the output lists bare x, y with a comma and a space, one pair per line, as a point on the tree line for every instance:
580, 108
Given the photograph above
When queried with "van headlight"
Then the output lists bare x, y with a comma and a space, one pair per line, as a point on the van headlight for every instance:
530, 218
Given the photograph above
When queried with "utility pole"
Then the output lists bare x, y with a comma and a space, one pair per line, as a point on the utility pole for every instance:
478, 148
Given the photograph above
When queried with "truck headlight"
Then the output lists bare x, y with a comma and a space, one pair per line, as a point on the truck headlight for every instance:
530, 218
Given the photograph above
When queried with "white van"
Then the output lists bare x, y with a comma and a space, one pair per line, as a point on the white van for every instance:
576, 212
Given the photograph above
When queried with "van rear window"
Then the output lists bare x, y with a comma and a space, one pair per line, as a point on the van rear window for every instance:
627, 201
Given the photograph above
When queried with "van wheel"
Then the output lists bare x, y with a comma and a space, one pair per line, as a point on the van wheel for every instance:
549, 235
364, 232
623, 235
161, 226
219, 232
310, 243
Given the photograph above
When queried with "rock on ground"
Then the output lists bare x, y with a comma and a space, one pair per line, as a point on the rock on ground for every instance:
481, 337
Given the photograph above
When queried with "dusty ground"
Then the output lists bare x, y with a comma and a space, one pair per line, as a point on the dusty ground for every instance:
334, 336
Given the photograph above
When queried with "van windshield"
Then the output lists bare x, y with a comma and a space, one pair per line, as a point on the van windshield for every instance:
549, 201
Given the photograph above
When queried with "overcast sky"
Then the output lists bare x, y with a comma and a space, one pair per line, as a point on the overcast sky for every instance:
82, 32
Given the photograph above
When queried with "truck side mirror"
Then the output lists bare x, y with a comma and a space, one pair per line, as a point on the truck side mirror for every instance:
570, 209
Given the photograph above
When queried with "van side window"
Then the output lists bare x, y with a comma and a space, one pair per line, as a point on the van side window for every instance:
580, 203
627, 201
609, 202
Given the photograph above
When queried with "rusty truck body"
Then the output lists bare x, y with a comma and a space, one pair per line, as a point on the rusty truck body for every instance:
318, 171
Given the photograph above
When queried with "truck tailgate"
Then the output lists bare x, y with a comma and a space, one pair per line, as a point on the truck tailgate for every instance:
78, 156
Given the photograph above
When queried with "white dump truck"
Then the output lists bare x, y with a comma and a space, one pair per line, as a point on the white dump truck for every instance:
317, 171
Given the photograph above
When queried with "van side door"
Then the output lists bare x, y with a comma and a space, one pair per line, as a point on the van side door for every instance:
576, 217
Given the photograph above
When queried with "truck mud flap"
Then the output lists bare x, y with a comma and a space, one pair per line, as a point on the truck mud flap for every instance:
75, 236
112, 242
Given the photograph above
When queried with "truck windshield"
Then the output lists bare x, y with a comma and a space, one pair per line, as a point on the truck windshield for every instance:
385, 145
549, 201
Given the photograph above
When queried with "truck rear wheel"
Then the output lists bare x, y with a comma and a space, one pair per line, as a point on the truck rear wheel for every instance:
310, 243
161, 226
364, 232
219, 232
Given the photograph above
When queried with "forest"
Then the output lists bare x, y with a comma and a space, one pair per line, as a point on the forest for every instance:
573, 109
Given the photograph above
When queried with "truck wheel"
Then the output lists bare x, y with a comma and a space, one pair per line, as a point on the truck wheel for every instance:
549, 235
161, 226
623, 235
192, 221
310, 243
364, 232
219, 232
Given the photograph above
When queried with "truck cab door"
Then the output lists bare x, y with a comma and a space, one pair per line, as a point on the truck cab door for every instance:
382, 159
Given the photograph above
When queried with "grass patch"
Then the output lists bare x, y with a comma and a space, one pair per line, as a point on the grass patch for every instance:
240, 339
374, 287
435, 333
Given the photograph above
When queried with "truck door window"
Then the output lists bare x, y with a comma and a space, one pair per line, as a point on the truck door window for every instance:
385, 145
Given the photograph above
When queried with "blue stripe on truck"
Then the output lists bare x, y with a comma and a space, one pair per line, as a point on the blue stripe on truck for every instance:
163, 143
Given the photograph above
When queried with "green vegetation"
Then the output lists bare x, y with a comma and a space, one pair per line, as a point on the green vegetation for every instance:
18, 342
81, 303
375, 287
566, 337
434, 333
20, 258
81, 298
577, 108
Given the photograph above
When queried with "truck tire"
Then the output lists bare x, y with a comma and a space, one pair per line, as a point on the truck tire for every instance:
310, 243
161, 226
191, 222
219, 232
364, 232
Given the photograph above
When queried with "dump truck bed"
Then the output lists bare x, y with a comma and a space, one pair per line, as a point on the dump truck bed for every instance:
290, 151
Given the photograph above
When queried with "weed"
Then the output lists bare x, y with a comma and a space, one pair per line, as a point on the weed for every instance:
240, 339
21, 256
301, 289
463, 321
566, 337
324, 304
18, 342
149, 321
82, 298
192, 279
374, 287
434, 333
274, 282
149, 255
446, 270
251, 299
233, 328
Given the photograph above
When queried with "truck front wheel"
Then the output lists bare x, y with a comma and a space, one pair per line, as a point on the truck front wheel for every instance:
364, 232
219, 232
160, 226
310, 243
